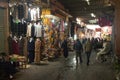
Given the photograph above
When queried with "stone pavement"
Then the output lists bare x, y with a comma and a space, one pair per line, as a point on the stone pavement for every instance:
63, 69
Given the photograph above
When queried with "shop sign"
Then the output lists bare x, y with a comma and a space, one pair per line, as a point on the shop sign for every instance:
45, 1
93, 21
104, 21
46, 12
98, 29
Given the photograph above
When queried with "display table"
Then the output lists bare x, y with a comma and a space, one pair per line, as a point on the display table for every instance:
21, 59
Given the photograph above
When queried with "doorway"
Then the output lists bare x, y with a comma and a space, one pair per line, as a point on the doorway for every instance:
2, 29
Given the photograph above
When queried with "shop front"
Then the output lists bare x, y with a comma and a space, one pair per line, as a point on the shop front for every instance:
34, 31
54, 32
4, 26
106, 32
23, 17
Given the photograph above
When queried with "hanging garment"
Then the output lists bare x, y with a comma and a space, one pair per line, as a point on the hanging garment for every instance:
15, 28
20, 27
29, 15
56, 43
29, 30
37, 51
72, 30
32, 31
11, 23
25, 47
37, 13
10, 45
43, 31
38, 30
20, 11
33, 14
30, 49
62, 27
31, 45
24, 28
25, 11
21, 46
15, 12
15, 47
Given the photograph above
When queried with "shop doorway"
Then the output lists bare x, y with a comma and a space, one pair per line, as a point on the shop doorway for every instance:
2, 29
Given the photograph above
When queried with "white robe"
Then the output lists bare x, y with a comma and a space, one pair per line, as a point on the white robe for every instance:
38, 30
29, 30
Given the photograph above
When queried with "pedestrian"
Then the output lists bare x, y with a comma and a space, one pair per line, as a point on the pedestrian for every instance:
105, 50
64, 47
83, 43
78, 49
88, 49
7, 68
30, 49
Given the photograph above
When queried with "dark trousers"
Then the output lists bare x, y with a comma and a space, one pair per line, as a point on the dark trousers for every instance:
78, 55
31, 56
10, 68
6, 69
65, 53
88, 57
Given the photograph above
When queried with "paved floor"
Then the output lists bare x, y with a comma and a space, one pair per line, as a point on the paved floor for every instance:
62, 69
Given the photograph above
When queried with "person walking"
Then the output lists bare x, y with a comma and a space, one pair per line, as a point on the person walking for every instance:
88, 49
78, 49
105, 50
64, 47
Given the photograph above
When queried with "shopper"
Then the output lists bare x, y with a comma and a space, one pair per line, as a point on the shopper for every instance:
7, 69
105, 50
88, 49
78, 48
64, 47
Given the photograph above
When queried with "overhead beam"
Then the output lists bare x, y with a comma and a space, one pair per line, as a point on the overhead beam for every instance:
75, 1
92, 8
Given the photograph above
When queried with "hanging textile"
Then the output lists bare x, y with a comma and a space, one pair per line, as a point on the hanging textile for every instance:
20, 11
15, 47
32, 30
62, 27
15, 12
29, 29
38, 30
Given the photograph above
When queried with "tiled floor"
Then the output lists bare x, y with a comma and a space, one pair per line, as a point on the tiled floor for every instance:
62, 69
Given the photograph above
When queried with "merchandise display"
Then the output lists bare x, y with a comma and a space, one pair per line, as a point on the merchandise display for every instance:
35, 33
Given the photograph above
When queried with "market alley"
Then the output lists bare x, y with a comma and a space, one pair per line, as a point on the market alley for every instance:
62, 69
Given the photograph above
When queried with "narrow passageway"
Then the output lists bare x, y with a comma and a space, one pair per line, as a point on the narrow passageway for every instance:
67, 69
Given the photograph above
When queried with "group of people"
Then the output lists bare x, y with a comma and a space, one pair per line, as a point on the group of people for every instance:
79, 48
87, 46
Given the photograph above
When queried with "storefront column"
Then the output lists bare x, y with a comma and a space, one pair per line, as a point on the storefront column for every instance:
116, 33
4, 28
67, 25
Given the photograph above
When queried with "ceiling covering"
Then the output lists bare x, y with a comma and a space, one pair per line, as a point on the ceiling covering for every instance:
84, 8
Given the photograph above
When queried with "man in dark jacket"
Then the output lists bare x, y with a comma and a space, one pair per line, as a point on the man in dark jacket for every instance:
88, 49
65, 48
78, 48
